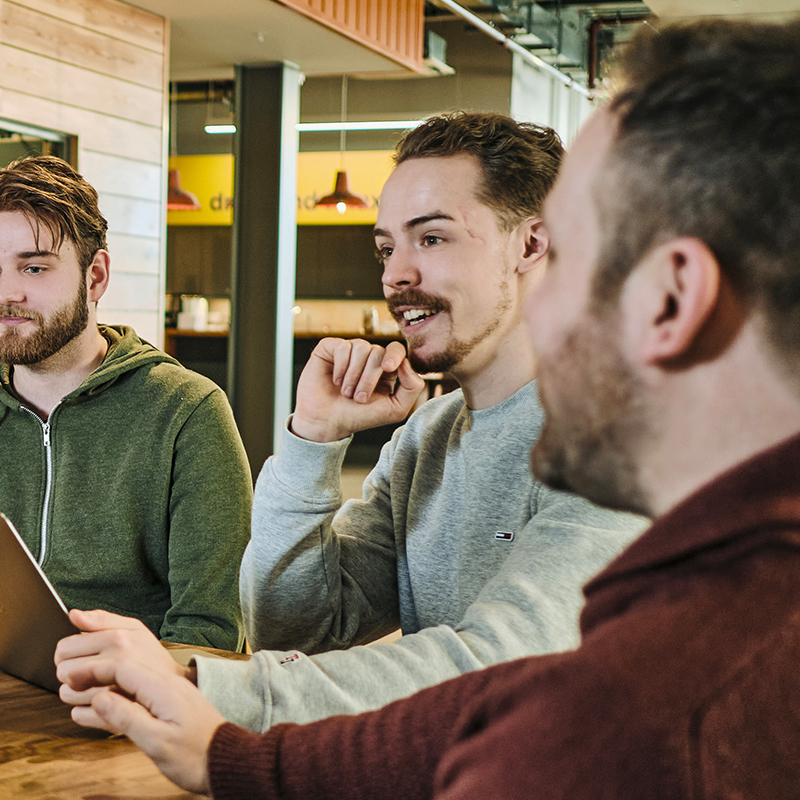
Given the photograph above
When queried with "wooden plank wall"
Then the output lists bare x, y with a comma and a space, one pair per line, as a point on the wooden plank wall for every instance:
394, 28
97, 69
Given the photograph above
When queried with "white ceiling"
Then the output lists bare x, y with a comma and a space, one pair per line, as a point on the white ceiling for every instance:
208, 37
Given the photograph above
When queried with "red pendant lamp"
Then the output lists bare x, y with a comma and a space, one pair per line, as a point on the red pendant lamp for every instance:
178, 199
342, 197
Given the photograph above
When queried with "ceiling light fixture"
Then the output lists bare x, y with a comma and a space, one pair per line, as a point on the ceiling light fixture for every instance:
373, 125
341, 197
220, 129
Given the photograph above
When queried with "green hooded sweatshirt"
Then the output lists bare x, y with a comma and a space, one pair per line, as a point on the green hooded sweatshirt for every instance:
134, 496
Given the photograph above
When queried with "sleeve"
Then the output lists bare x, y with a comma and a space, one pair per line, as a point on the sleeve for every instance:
394, 751
210, 499
312, 578
530, 606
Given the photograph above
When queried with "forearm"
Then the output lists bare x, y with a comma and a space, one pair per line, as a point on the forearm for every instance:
311, 578
393, 751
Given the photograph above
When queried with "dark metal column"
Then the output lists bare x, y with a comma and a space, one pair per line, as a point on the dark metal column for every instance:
263, 254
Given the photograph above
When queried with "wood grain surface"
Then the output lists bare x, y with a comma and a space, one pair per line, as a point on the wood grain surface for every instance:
44, 755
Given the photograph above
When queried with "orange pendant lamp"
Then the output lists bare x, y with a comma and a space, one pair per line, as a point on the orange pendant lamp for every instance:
178, 199
342, 197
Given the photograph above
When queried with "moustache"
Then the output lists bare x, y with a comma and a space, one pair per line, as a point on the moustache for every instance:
10, 311
417, 299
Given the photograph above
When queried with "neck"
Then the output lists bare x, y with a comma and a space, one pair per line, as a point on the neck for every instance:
722, 418
42, 386
487, 377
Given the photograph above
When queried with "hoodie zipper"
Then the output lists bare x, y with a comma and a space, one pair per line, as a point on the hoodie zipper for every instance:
48, 486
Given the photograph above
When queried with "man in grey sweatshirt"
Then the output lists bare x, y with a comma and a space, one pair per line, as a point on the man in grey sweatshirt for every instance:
453, 541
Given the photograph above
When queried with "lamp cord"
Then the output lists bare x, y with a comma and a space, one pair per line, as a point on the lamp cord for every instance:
342, 132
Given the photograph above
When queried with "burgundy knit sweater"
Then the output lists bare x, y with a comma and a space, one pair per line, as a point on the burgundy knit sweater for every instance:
686, 684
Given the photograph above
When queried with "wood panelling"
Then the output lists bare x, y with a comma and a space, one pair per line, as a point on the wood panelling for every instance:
24, 71
30, 30
134, 254
131, 215
97, 70
394, 28
117, 20
122, 176
98, 131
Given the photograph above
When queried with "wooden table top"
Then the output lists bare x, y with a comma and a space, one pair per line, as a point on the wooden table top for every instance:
44, 755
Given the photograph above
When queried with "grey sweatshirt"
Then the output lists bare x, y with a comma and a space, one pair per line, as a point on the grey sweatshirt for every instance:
453, 541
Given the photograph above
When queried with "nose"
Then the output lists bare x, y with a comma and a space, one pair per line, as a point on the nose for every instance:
11, 292
400, 271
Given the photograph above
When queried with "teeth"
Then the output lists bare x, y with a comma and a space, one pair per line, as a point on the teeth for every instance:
417, 315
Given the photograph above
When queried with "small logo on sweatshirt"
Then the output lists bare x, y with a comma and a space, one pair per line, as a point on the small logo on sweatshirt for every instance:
504, 536
291, 657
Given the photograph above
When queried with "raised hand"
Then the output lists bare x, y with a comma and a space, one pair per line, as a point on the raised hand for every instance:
82, 661
350, 385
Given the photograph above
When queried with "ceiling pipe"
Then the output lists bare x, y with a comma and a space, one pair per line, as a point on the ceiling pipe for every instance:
510, 44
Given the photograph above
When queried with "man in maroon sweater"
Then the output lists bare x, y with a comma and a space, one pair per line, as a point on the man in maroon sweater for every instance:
668, 332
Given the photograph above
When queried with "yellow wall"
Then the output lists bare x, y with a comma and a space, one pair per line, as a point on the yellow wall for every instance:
210, 178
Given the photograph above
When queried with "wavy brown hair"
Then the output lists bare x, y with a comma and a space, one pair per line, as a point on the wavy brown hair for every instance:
53, 195
519, 160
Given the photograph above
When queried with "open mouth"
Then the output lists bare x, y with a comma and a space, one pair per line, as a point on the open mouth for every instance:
414, 316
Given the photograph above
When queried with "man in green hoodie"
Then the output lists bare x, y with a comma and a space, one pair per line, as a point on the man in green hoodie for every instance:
123, 471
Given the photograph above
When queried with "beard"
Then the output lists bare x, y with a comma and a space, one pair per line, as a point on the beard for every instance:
456, 350
591, 432
50, 336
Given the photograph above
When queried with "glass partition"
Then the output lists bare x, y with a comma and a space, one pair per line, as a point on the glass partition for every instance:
17, 140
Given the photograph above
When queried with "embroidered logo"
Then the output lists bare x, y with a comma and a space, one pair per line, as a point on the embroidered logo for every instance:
504, 536
289, 658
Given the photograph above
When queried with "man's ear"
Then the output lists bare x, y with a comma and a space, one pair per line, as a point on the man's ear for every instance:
677, 289
97, 275
534, 244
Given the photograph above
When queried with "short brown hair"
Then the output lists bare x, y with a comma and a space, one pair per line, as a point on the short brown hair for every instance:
519, 160
708, 146
51, 193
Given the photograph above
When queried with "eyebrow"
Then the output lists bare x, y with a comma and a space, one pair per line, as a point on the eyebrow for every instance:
415, 221
36, 254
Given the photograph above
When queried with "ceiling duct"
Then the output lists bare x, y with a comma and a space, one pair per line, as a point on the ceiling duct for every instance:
561, 35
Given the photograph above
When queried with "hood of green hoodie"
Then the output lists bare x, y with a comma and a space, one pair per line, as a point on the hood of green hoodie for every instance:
126, 351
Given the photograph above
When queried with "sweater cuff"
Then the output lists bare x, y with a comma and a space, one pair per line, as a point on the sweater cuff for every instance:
309, 468
243, 765
239, 690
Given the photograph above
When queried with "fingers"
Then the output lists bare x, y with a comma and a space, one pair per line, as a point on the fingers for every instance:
349, 386
88, 717
103, 631
98, 620
169, 720
357, 368
87, 660
407, 389
72, 697
114, 713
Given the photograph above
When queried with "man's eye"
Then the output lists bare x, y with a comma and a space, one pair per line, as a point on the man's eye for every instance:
34, 270
382, 253
431, 240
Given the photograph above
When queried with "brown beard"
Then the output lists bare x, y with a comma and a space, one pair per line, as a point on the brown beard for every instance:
457, 349
587, 446
50, 336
